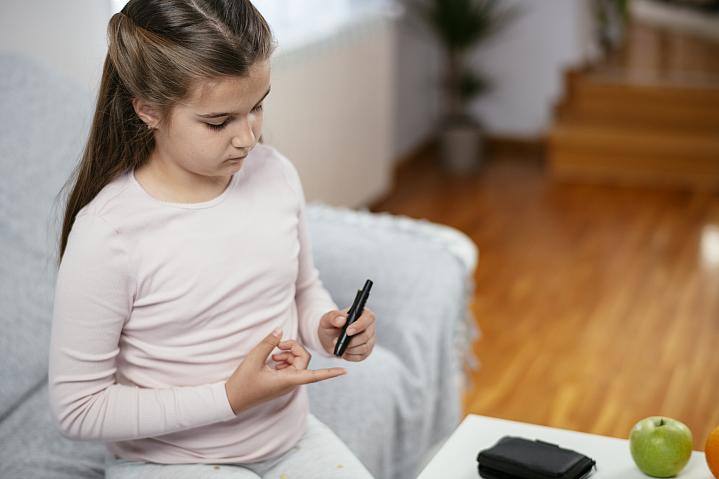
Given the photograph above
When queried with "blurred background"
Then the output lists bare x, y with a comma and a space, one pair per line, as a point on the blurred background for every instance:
575, 141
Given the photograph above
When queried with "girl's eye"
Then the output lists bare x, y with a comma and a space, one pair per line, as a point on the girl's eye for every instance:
220, 126
216, 127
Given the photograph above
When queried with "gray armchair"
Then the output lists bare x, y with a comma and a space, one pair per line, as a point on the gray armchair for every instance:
405, 398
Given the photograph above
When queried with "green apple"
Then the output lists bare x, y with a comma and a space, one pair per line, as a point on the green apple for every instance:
660, 446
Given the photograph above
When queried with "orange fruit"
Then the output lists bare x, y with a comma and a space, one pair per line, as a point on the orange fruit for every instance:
711, 452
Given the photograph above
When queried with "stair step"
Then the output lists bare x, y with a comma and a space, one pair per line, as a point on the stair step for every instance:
636, 155
644, 140
657, 115
585, 88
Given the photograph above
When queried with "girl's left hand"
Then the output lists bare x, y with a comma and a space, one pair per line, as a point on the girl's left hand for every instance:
362, 332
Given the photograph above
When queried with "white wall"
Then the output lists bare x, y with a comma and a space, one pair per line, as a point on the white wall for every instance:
331, 111
418, 97
68, 36
526, 62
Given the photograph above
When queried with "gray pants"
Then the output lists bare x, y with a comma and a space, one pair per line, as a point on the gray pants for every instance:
319, 454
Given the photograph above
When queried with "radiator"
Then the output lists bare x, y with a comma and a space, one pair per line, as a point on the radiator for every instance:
331, 109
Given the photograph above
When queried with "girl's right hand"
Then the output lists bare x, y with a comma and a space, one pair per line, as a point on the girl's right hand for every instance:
254, 381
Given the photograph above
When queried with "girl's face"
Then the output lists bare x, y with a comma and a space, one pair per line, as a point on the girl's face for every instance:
220, 122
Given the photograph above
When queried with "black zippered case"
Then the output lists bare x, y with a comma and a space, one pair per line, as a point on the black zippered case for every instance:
519, 458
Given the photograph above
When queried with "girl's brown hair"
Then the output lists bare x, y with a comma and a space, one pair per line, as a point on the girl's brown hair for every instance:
157, 49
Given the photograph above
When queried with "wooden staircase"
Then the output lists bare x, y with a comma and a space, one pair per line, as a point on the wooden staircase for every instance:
656, 125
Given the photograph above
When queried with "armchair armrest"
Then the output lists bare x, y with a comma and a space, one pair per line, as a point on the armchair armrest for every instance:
424, 281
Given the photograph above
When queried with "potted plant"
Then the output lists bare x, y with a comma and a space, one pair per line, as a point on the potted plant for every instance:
460, 25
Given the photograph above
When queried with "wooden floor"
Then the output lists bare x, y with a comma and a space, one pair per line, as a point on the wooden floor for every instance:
598, 305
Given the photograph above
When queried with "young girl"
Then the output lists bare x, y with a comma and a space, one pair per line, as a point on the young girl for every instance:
185, 257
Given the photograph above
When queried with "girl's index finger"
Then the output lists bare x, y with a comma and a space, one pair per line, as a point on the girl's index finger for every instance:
307, 376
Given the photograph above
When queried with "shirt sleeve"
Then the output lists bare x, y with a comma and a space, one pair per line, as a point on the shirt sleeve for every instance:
94, 293
311, 297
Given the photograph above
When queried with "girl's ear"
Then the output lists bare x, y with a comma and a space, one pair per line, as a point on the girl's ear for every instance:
146, 113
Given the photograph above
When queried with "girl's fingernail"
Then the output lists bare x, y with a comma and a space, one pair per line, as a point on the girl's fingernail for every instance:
350, 331
277, 332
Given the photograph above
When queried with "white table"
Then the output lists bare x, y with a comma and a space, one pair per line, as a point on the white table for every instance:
457, 458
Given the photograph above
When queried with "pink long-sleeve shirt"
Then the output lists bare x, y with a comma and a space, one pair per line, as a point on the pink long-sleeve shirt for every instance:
157, 303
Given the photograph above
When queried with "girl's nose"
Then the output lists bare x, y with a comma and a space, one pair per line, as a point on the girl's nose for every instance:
244, 136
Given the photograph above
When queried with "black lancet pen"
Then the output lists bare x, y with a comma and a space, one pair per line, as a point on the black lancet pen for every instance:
353, 314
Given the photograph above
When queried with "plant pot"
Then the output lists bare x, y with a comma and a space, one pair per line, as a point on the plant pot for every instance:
461, 148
